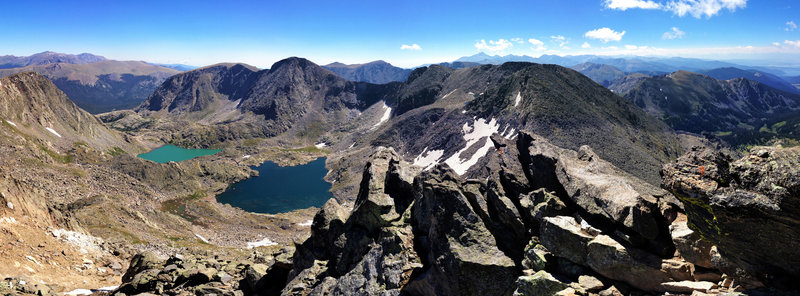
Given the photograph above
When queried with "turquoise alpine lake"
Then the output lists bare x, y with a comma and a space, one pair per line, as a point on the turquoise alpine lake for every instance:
169, 153
280, 189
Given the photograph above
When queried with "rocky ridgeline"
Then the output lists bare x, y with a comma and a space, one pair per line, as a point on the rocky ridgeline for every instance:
547, 221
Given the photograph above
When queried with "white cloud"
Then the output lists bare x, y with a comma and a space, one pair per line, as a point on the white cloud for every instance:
561, 40
499, 45
700, 8
628, 4
792, 43
518, 40
538, 44
674, 34
776, 44
586, 45
410, 47
790, 26
631, 47
695, 8
605, 35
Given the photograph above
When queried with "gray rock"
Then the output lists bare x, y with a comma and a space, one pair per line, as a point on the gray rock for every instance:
253, 275
590, 283
690, 245
139, 263
564, 237
748, 208
463, 254
541, 283
687, 286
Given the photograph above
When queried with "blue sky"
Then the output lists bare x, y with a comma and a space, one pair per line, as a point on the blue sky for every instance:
263, 32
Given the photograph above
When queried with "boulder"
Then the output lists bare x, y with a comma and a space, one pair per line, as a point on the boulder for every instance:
590, 283
748, 208
616, 201
690, 245
540, 283
687, 286
141, 262
564, 237
253, 276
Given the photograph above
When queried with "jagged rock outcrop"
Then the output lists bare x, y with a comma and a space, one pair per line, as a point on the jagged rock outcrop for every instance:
542, 208
748, 208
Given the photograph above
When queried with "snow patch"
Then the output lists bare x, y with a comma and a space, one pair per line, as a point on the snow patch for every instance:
53, 131
79, 292
510, 134
11, 123
463, 111
517, 99
480, 129
450, 93
247, 156
84, 242
307, 223
262, 243
320, 145
387, 113
201, 238
108, 289
352, 145
428, 159
10, 205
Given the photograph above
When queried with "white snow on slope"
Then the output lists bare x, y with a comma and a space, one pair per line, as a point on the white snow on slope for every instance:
387, 113
480, 129
320, 145
84, 242
201, 238
262, 243
53, 131
428, 159
11, 123
450, 93
517, 99
307, 223
79, 292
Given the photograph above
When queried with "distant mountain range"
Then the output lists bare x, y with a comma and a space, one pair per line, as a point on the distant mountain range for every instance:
47, 57
373, 72
698, 103
94, 83
652, 65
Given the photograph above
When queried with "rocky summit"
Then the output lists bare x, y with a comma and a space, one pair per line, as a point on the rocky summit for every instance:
546, 221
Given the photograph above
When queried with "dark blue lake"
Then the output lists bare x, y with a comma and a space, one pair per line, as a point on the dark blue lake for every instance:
280, 189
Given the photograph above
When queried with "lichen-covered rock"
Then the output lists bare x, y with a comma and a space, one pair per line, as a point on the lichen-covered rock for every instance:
540, 283
690, 245
748, 208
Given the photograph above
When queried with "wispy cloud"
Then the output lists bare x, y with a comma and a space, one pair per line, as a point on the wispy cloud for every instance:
499, 45
790, 26
628, 4
518, 40
561, 40
674, 34
792, 43
410, 47
586, 45
604, 34
776, 44
538, 44
695, 8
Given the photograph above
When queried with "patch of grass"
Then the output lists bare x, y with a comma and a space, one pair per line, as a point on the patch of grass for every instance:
65, 159
722, 134
79, 144
307, 149
251, 142
778, 125
178, 206
116, 151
